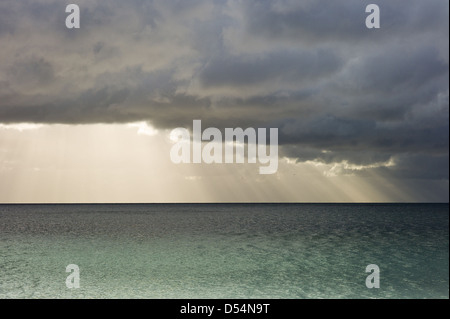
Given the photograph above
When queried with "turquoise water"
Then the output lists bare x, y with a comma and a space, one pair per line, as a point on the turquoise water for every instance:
224, 250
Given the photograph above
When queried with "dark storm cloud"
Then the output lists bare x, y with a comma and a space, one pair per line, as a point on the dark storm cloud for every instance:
403, 69
337, 91
331, 20
282, 66
328, 132
431, 167
31, 71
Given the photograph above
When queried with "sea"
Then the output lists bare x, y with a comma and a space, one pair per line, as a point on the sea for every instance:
276, 251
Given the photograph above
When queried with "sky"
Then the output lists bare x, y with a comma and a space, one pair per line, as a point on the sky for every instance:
86, 114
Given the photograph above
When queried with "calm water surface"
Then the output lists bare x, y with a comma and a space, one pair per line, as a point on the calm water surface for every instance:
224, 250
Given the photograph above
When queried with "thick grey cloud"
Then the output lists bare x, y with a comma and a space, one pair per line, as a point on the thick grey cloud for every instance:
328, 20
294, 66
336, 90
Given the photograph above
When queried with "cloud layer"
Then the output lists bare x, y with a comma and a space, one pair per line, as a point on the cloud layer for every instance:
337, 91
